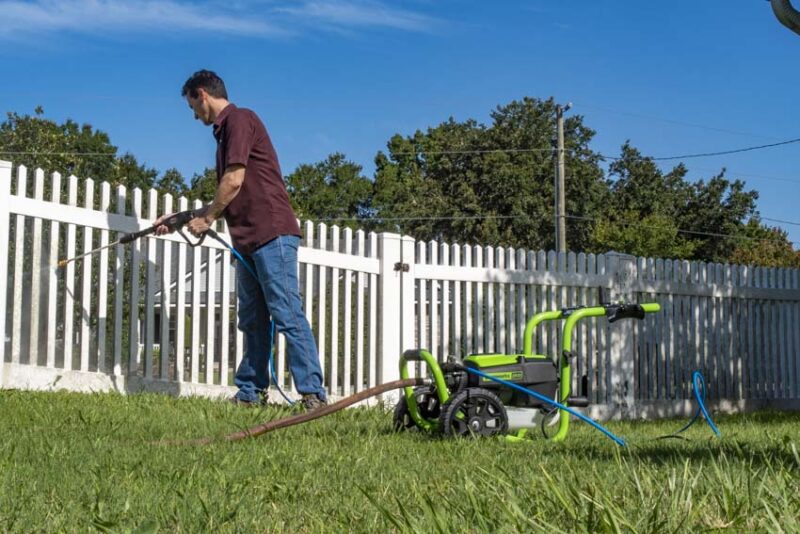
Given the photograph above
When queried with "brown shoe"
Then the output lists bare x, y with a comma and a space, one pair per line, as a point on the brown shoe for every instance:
249, 404
311, 402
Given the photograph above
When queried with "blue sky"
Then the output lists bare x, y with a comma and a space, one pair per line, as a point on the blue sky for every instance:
677, 77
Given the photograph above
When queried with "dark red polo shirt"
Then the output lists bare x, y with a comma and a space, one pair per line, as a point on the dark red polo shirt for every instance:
261, 211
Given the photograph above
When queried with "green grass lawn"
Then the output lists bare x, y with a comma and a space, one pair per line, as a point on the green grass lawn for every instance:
73, 462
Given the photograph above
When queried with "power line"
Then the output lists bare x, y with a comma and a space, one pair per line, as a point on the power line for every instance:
477, 151
780, 221
685, 156
672, 121
486, 151
725, 152
441, 152
387, 219
574, 217
732, 172
691, 232
615, 158
737, 174
23, 153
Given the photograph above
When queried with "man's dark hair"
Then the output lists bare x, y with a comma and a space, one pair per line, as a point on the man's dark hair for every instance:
207, 80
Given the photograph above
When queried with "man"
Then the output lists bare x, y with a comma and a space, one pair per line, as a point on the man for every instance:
253, 198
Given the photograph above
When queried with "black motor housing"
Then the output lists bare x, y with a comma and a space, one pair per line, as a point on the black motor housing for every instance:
537, 374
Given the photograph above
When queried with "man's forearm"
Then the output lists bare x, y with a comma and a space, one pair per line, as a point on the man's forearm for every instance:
229, 186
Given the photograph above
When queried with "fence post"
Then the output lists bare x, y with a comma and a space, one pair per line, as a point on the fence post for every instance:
5, 225
622, 268
389, 309
408, 310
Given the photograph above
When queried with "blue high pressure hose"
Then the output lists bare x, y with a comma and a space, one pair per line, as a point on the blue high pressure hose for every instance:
697, 380
699, 384
557, 404
270, 361
701, 401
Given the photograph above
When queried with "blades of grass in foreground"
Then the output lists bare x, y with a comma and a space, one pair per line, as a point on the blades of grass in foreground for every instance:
73, 462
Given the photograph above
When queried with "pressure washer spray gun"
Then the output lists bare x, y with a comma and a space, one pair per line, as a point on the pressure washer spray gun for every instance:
174, 222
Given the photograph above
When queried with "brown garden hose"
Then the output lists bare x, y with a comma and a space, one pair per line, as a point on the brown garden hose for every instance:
308, 416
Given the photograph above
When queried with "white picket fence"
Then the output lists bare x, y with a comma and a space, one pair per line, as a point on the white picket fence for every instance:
738, 325
160, 315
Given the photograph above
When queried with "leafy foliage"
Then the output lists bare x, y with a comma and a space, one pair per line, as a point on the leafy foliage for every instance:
34, 141
654, 235
765, 246
661, 214
203, 185
331, 189
172, 182
72, 149
471, 183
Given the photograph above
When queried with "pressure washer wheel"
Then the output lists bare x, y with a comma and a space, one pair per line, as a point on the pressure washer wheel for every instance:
474, 412
427, 404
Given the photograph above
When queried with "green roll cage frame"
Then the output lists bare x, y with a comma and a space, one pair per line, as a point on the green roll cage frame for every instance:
572, 318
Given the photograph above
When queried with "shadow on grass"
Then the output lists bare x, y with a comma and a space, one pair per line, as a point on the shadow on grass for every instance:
758, 439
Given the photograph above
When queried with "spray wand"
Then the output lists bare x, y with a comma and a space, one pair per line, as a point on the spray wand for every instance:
174, 222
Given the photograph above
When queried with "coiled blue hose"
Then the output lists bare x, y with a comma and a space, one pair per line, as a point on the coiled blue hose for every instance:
702, 401
699, 387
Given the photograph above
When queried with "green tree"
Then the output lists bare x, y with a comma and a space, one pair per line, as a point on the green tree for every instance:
719, 208
331, 189
699, 220
764, 246
70, 149
203, 185
67, 148
172, 182
637, 184
471, 183
128, 172
652, 235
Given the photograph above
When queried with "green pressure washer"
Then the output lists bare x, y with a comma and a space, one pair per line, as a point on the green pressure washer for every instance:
469, 398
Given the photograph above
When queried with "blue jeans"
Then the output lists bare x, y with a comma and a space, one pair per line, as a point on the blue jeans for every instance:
275, 293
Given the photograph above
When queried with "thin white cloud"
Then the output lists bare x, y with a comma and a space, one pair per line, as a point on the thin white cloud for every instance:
359, 14
129, 16
249, 18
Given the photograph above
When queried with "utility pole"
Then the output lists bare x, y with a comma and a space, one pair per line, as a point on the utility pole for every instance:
561, 225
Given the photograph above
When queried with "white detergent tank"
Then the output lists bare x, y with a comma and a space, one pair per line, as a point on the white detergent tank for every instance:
527, 418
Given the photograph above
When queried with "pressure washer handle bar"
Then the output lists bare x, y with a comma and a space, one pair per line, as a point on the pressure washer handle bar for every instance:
615, 312
174, 222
